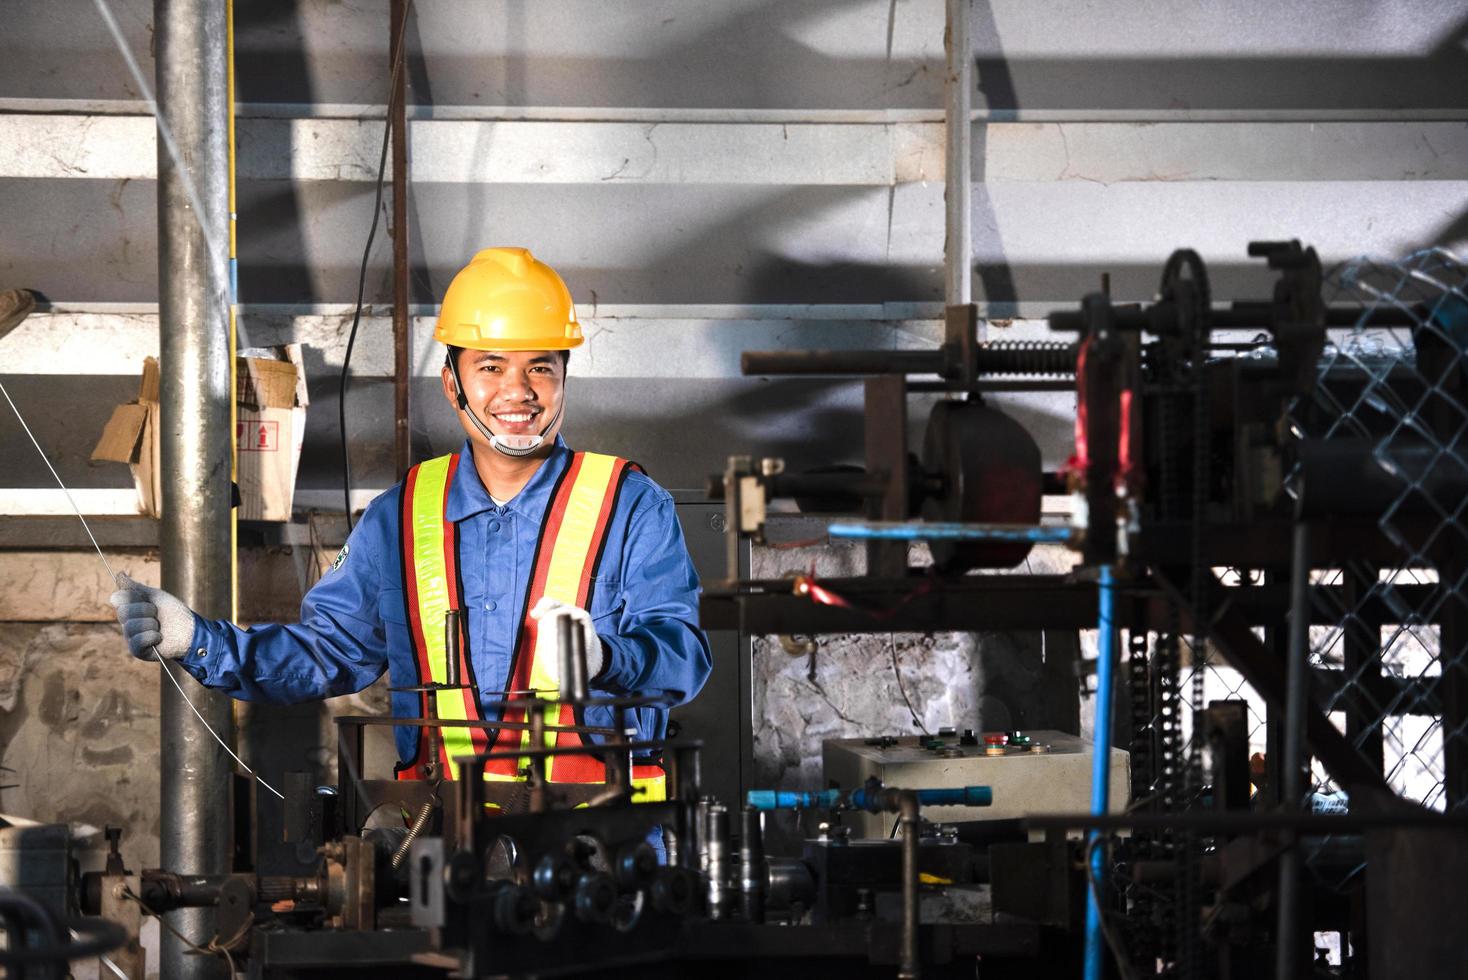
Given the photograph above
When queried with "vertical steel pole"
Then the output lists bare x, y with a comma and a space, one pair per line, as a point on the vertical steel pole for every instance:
958, 173
1288, 949
397, 116
193, 294
909, 959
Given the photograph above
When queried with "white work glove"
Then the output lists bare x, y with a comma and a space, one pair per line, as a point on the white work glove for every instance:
548, 613
153, 618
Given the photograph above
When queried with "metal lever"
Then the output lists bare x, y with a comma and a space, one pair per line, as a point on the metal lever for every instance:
572, 647
451, 647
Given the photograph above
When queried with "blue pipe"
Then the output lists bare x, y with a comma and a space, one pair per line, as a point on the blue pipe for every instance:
779, 799
936, 531
1100, 766
959, 796
830, 799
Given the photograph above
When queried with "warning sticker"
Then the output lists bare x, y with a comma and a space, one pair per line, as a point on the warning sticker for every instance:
258, 436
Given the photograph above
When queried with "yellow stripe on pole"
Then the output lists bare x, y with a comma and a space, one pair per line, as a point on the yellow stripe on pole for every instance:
435, 593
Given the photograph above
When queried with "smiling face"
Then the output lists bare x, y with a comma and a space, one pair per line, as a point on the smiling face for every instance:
514, 393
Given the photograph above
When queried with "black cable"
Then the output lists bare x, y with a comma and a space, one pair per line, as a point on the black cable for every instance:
918, 722
341, 403
95, 935
1113, 941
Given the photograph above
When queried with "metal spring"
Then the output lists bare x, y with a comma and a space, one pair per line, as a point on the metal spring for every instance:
1043, 357
419, 822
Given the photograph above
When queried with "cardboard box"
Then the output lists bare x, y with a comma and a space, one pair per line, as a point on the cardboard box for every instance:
270, 426
131, 437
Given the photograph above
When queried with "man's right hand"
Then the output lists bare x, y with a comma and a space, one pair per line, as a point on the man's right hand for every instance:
152, 618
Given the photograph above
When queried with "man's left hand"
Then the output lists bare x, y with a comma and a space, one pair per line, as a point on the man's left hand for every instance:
548, 613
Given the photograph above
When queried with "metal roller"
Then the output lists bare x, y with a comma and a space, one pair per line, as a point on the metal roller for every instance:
991, 474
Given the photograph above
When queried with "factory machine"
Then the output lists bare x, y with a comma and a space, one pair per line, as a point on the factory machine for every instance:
1286, 504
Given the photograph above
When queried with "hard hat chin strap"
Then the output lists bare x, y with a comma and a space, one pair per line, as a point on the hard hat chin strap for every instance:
526, 444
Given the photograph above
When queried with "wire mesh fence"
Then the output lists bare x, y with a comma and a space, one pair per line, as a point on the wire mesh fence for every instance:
1389, 428
1380, 457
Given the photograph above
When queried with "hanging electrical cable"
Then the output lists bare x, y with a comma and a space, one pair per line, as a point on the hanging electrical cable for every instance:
397, 67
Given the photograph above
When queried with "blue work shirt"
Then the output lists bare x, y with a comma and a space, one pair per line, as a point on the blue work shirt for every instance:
354, 624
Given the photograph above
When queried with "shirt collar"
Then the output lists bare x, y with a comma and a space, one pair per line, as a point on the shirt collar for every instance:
467, 495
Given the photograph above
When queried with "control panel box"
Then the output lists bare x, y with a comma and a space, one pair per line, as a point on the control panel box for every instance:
1030, 773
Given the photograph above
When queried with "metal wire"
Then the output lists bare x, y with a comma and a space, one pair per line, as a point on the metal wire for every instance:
346, 372
219, 254
897, 673
119, 582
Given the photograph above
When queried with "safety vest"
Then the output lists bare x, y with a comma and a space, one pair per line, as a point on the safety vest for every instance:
573, 535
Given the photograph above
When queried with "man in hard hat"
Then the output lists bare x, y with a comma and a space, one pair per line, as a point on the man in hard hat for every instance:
500, 542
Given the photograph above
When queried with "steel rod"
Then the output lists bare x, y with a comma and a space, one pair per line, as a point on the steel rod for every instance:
1234, 823
757, 362
753, 876
514, 726
909, 965
572, 644
401, 325
195, 402
939, 531
958, 89
452, 653
1240, 316
1287, 941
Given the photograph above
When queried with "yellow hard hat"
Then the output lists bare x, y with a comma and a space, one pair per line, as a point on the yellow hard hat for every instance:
507, 299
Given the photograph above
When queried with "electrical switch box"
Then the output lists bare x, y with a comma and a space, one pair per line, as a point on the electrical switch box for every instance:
1030, 773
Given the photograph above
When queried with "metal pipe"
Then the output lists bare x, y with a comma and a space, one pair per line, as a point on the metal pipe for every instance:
685, 775
1160, 318
939, 531
1100, 767
753, 879
401, 325
1215, 823
909, 964
195, 402
452, 667
830, 799
1040, 358
1287, 941
758, 362
572, 647
850, 486
958, 173
714, 856
540, 765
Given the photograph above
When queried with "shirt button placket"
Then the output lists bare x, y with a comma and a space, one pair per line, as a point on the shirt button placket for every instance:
494, 527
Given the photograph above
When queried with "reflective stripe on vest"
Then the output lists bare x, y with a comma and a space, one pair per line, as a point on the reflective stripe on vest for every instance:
430, 551
572, 536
